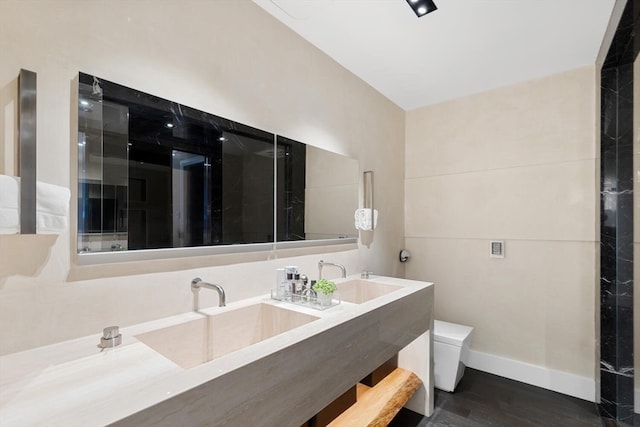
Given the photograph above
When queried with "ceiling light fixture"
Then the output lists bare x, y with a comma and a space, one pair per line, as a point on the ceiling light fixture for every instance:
422, 7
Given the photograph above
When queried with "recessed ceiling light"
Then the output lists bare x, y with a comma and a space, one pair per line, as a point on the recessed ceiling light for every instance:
84, 102
422, 7
168, 125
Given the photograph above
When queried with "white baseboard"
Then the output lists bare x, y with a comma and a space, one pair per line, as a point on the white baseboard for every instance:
550, 379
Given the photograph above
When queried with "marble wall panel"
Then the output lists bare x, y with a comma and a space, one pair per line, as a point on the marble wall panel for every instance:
617, 224
636, 233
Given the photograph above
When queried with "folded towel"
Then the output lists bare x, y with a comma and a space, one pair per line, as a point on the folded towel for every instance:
362, 219
52, 199
9, 221
50, 224
52, 206
9, 192
9, 204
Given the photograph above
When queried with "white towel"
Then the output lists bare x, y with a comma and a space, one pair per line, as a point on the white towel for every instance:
52, 206
362, 219
9, 204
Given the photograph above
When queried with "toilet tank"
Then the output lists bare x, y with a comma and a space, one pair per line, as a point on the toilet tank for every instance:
451, 333
451, 353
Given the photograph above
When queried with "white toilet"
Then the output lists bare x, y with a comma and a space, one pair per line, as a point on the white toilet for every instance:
450, 353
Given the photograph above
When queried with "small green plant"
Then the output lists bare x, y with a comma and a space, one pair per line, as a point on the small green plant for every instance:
325, 286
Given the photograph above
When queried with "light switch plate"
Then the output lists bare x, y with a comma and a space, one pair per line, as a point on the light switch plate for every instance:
496, 249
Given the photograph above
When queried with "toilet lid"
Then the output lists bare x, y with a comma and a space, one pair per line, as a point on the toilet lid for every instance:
451, 333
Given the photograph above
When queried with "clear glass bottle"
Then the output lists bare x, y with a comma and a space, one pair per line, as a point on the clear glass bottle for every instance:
281, 280
309, 295
289, 287
297, 284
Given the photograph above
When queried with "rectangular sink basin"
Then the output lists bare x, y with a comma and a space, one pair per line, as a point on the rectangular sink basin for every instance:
198, 341
359, 291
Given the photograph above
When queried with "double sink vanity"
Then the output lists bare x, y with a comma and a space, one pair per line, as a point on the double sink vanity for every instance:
257, 361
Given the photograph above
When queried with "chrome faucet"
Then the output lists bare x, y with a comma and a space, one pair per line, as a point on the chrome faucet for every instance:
323, 263
197, 283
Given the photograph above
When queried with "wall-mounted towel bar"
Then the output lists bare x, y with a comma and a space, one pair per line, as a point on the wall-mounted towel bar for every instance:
27, 150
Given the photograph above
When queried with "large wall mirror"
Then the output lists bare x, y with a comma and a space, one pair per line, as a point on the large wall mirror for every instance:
155, 174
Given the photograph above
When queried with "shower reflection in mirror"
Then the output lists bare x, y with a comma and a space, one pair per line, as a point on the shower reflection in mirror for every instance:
156, 174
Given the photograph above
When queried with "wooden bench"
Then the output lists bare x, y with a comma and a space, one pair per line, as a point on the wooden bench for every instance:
376, 406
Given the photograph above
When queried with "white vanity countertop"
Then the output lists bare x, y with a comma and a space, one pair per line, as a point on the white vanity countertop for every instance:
73, 383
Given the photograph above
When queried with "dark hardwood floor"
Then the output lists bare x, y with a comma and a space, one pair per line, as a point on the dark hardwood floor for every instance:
483, 399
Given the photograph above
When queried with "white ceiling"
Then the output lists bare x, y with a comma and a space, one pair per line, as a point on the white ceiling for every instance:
464, 47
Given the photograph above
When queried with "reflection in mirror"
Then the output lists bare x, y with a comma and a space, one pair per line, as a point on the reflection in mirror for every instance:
156, 174
290, 183
331, 195
317, 192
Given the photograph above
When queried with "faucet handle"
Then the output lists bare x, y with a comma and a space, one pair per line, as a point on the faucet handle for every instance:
111, 337
110, 332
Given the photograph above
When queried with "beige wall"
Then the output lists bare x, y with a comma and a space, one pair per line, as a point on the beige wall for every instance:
516, 164
227, 57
